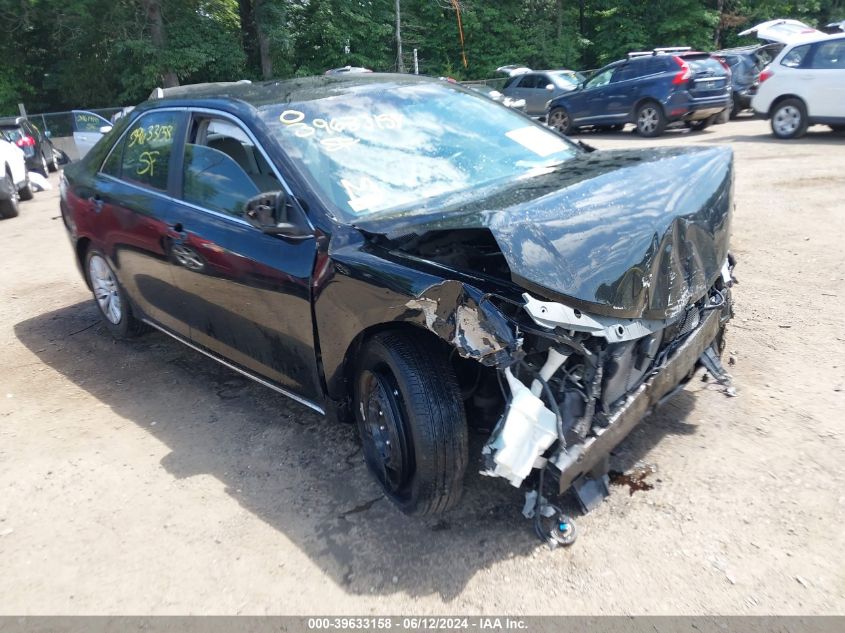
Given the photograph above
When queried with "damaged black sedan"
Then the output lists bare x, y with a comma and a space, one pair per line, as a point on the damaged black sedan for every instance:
413, 256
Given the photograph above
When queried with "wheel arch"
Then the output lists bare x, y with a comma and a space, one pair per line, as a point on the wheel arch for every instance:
781, 98
640, 103
82, 246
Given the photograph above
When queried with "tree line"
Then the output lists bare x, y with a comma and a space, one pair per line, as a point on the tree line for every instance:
62, 54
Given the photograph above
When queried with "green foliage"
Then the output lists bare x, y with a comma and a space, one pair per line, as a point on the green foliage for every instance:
61, 54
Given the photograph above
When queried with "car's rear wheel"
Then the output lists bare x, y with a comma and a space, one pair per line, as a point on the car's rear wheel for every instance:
411, 421
559, 119
44, 169
9, 201
651, 121
789, 119
110, 297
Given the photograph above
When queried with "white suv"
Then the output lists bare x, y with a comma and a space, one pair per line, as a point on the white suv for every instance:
804, 85
14, 179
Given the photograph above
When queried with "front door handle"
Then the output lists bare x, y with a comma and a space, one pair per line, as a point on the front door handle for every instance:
176, 230
96, 203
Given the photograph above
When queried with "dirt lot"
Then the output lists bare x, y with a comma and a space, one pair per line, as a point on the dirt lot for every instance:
143, 478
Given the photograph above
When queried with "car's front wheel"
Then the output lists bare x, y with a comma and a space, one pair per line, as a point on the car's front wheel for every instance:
789, 119
559, 119
411, 421
110, 297
650, 120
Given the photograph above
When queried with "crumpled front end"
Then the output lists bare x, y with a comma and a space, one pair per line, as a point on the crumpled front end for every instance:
586, 380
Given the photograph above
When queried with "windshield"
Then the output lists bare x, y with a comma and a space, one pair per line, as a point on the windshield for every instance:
379, 145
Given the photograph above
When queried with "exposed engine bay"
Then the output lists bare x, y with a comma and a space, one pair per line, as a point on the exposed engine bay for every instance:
579, 376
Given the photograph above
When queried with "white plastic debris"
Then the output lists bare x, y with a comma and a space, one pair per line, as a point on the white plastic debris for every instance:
529, 429
39, 182
553, 362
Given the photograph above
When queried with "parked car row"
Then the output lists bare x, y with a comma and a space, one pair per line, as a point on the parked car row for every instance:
654, 89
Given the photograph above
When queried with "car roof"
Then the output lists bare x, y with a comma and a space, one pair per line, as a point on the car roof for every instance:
276, 92
824, 37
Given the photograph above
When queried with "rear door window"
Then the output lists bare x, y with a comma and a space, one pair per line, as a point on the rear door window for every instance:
142, 156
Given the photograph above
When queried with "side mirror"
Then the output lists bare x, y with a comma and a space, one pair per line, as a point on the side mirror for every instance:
270, 212
105, 129
48, 133
550, 87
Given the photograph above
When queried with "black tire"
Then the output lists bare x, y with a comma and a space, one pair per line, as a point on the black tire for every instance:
651, 121
559, 119
127, 326
789, 119
52, 165
736, 108
26, 192
9, 202
411, 421
43, 169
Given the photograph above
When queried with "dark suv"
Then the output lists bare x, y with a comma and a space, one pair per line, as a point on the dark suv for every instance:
37, 148
745, 64
651, 90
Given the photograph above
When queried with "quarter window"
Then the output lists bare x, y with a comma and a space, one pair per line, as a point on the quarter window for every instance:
830, 56
143, 154
795, 57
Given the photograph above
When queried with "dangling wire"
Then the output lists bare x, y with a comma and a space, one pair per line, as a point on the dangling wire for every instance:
460, 30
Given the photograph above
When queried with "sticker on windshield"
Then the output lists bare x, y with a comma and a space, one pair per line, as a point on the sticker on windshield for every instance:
537, 140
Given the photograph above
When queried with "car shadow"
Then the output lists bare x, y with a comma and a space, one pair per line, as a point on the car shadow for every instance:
289, 467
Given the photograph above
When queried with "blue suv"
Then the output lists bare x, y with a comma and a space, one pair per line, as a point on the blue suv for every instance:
650, 89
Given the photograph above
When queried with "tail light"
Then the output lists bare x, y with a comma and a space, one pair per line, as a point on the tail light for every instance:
765, 74
724, 64
25, 141
683, 74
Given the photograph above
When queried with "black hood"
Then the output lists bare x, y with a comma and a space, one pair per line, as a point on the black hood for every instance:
631, 234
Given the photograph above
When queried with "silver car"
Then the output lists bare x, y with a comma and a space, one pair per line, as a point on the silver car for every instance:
537, 87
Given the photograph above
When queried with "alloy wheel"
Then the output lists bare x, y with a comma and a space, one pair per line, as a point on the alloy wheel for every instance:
559, 120
105, 288
648, 120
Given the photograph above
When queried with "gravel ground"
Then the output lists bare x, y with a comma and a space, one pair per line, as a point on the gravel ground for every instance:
142, 477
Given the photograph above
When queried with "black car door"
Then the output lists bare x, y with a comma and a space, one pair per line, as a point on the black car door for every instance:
247, 294
132, 212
